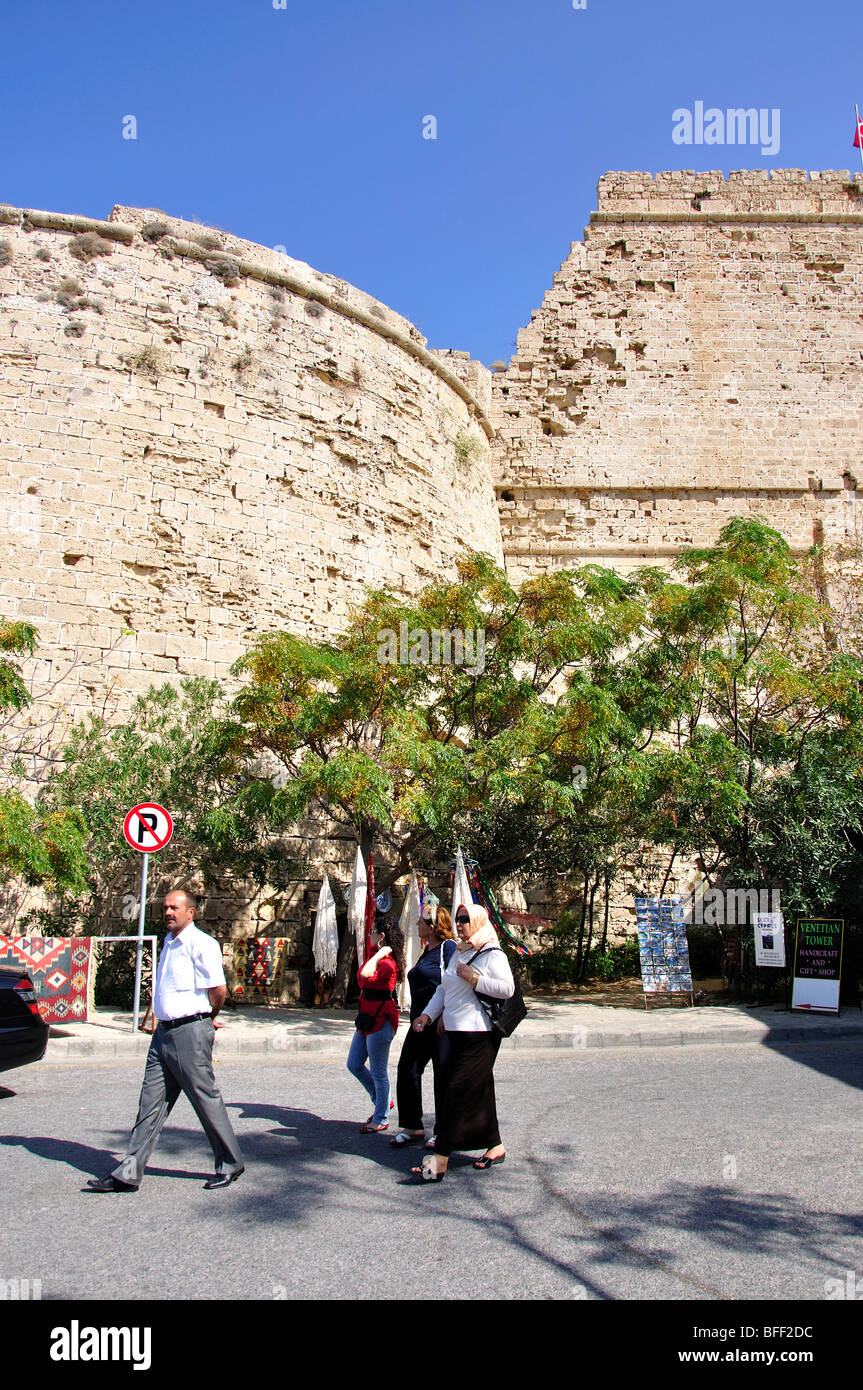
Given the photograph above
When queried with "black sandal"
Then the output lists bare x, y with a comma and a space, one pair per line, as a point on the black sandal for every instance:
486, 1162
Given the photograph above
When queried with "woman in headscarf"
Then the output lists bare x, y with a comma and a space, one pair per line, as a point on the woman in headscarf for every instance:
436, 935
467, 1113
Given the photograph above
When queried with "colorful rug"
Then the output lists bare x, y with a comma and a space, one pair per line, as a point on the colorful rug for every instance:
59, 967
258, 968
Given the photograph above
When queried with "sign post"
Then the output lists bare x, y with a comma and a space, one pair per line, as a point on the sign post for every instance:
147, 828
818, 964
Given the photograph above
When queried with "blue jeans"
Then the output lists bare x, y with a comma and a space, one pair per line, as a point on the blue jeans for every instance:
374, 1047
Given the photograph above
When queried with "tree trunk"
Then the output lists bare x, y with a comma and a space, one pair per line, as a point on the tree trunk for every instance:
668, 871
578, 950
585, 958
605, 923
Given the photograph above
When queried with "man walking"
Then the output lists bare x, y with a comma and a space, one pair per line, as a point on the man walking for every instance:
190, 991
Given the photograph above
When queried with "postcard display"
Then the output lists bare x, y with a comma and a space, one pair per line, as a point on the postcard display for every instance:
663, 948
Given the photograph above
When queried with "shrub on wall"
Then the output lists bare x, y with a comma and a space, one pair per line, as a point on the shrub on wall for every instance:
88, 245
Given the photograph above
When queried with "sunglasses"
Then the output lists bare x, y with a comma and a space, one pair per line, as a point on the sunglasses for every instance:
462, 921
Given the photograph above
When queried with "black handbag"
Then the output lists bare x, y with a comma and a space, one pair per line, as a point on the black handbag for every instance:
505, 1014
365, 1023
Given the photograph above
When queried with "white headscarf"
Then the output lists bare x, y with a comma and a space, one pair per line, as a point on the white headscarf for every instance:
483, 933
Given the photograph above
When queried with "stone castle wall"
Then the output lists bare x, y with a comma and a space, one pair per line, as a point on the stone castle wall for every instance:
201, 440
698, 356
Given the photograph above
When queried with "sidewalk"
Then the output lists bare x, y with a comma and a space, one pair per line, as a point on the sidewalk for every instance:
255, 1032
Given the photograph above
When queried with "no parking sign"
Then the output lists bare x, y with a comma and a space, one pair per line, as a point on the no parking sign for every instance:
148, 827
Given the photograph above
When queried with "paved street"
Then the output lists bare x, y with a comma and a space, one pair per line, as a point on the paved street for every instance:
673, 1173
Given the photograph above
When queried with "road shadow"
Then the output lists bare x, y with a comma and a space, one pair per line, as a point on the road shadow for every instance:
839, 1058
637, 1233
314, 1135
82, 1157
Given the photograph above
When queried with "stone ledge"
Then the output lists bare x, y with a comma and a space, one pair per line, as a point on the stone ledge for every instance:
189, 250
298, 285
848, 219
65, 222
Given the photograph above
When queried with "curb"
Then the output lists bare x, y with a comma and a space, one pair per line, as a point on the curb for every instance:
578, 1039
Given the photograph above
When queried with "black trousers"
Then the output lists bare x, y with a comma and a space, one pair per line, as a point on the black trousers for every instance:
467, 1110
418, 1050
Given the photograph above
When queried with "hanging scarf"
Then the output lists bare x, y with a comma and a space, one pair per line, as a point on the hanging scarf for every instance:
371, 909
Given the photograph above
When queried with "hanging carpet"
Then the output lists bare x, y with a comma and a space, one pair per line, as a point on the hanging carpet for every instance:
259, 969
60, 968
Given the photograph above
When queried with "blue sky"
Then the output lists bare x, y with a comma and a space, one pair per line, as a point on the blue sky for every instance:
303, 126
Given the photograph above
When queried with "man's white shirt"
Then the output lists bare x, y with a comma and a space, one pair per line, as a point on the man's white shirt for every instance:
189, 965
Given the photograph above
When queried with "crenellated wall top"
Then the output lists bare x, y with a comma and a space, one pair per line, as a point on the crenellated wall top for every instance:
746, 195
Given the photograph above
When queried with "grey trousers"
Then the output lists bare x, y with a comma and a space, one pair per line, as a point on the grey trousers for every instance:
179, 1059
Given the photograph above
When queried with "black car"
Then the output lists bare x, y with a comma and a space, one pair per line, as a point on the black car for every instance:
23, 1033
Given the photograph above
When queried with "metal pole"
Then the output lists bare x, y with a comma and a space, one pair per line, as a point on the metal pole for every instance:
142, 912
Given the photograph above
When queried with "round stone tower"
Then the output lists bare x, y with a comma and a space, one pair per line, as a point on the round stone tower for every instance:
202, 439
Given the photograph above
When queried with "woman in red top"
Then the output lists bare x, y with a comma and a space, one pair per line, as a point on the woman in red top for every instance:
380, 1015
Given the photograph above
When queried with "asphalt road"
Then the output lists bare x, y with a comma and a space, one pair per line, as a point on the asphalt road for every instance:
710, 1173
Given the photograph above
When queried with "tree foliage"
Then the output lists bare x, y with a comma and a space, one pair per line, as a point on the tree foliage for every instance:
162, 752
705, 713
38, 847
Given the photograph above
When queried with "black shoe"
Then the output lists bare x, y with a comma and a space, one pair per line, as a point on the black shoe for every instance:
224, 1179
109, 1184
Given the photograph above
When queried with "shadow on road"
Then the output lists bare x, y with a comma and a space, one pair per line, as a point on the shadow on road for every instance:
83, 1157
843, 1060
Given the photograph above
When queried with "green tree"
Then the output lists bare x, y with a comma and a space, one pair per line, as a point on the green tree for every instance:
412, 754
39, 848
760, 767
162, 751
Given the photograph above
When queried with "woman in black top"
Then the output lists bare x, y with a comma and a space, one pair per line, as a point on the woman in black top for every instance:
436, 934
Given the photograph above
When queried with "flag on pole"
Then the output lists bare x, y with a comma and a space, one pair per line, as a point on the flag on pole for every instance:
357, 905
409, 924
325, 943
461, 894
858, 134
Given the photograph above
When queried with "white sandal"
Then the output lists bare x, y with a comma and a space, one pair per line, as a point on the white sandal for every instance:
399, 1140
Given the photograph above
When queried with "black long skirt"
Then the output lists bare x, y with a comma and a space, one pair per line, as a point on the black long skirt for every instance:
417, 1051
467, 1113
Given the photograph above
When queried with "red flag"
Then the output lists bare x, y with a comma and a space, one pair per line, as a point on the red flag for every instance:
858, 138
371, 908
